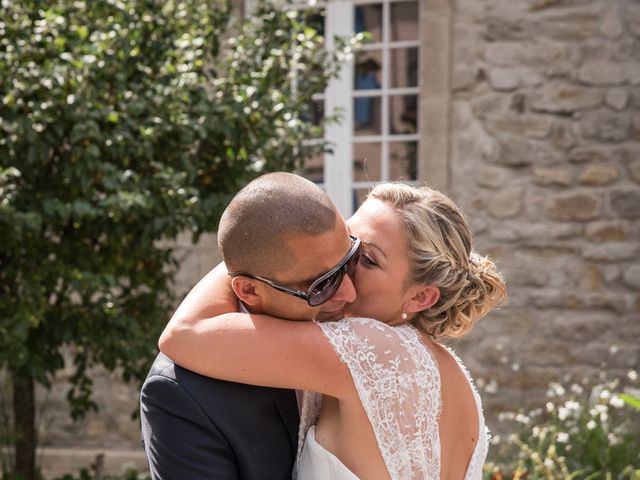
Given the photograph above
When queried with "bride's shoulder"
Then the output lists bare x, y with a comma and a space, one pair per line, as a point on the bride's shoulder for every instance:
372, 332
360, 324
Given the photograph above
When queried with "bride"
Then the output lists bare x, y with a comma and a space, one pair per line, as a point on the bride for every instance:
392, 401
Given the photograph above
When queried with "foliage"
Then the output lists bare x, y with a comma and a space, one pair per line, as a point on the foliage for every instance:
582, 433
123, 123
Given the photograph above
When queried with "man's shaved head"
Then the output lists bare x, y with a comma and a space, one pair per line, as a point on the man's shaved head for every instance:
254, 228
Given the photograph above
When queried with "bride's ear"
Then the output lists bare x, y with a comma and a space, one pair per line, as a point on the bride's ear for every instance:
421, 297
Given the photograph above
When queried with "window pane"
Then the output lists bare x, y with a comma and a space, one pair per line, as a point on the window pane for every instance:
359, 196
403, 160
314, 168
366, 162
404, 21
316, 111
403, 111
368, 70
403, 69
366, 116
368, 18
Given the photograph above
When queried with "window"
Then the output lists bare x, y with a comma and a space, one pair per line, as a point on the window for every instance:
381, 94
378, 93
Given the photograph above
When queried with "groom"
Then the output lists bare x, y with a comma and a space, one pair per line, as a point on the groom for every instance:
197, 428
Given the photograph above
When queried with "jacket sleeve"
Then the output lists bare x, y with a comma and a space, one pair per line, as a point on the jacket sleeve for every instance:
180, 441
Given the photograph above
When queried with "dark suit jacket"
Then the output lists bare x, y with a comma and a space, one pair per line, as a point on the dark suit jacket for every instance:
197, 428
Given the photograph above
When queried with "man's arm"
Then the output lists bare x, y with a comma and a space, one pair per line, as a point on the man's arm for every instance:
180, 441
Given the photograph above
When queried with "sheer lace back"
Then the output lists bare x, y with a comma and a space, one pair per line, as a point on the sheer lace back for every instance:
398, 382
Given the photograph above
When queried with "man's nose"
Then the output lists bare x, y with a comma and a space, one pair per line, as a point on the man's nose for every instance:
346, 292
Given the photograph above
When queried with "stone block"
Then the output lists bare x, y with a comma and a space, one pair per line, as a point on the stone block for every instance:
530, 126
603, 174
581, 326
634, 170
611, 252
498, 28
517, 152
601, 72
590, 279
504, 233
561, 97
539, 232
503, 79
625, 202
493, 177
562, 136
486, 104
631, 15
542, 54
611, 26
617, 98
606, 126
602, 154
463, 77
579, 23
507, 79
574, 206
505, 204
607, 231
631, 276
552, 176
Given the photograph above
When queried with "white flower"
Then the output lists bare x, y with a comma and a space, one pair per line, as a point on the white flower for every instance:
563, 413
572, 405
555, 390
614, 439
520, 418
548, 463
562, 437
591, 425
605, 394
616, 402
577, 389
633, 375
492, 387
550, 407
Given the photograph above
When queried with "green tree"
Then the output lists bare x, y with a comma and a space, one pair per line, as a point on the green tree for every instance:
122, 124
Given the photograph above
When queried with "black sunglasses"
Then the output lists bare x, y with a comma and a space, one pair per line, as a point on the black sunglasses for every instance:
326, 285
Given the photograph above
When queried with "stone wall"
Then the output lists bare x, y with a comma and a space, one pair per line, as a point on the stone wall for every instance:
545, 160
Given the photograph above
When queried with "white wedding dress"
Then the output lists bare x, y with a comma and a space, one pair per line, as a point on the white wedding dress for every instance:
398, 382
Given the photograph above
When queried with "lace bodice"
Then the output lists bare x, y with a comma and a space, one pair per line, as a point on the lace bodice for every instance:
398, 382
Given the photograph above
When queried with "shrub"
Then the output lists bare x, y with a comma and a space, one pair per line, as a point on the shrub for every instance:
582, 433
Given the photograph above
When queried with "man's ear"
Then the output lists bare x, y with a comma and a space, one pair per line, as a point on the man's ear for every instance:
421, 297
245, 290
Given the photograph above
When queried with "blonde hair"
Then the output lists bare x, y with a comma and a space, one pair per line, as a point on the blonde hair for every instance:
441, 254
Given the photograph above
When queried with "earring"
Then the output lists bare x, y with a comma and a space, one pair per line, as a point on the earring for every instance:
405, 316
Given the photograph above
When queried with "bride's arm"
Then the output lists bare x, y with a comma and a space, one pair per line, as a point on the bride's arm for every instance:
258, 350
211, 296
204, 336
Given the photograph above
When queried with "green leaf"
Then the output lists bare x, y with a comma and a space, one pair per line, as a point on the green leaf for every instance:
630, 400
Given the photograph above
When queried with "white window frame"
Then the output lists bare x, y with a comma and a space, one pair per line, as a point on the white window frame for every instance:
434, 44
